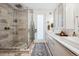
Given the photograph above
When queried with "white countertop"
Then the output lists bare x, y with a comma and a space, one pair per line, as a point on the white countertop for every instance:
69, 42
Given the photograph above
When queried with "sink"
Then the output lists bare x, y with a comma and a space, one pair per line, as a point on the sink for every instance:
62, 35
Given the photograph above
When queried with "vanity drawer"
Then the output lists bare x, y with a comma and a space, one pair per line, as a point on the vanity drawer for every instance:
57, 49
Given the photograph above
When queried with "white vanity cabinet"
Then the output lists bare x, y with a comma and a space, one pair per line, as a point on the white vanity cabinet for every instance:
57, 49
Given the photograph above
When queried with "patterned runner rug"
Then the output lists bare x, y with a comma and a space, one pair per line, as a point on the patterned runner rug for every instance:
40, 50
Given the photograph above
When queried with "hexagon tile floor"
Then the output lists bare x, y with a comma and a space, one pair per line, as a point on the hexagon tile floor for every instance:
40, 50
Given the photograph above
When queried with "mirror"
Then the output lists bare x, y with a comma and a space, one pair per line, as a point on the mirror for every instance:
60, 15
58, 18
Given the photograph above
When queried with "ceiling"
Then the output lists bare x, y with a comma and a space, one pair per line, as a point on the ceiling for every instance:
37, 6
41, 6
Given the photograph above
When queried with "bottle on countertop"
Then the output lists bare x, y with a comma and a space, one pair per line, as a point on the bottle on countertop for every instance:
62, 33
74, 34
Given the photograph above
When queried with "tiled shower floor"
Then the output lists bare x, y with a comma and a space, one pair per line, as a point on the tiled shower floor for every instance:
40, 50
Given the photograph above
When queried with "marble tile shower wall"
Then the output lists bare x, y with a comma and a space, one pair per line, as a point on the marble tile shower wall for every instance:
6, 17
13, 27
21, 36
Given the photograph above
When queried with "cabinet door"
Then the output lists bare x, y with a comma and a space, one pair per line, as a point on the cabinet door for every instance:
60, 50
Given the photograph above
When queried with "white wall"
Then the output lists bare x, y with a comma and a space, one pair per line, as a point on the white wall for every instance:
49, 17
